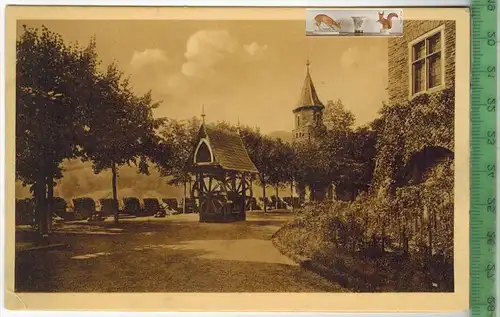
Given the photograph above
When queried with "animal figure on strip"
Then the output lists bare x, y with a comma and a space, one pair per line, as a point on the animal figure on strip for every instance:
386, 22
325, 19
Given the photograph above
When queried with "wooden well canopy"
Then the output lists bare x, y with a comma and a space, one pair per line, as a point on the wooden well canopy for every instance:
222, 189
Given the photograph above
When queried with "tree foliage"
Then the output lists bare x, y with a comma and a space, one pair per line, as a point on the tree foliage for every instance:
120, 127
405, 157
49, 106
178, 142
50, 76
406, 128
336, 117
66, 108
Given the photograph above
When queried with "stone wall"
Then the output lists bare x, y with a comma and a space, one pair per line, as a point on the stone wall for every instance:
307, 121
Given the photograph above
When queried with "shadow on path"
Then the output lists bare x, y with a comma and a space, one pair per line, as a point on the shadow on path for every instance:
169, 256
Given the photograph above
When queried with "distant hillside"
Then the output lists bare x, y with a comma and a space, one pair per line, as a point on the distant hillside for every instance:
80, 181
283, 135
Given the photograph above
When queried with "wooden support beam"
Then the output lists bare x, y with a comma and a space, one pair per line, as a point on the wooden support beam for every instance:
244, 190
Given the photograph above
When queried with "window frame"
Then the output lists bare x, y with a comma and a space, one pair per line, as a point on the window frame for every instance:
411, 80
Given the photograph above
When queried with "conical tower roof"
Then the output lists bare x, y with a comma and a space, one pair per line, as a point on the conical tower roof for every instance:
308, 96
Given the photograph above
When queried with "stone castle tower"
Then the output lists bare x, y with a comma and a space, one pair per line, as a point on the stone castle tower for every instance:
308, 113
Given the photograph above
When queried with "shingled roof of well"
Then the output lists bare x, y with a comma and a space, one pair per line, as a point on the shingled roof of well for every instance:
228, 149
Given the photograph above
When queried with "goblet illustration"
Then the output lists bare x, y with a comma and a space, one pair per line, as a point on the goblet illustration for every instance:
359, 22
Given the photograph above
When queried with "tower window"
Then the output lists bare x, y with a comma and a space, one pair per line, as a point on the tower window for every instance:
298, 121
318, 117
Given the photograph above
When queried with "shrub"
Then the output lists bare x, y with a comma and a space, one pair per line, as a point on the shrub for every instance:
25, 212
418, 220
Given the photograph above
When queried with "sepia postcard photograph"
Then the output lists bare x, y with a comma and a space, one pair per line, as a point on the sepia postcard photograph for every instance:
196, 159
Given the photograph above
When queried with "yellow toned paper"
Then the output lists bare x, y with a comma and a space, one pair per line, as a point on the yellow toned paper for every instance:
265, 101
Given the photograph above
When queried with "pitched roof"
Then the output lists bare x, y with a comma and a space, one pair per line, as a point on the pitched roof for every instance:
309, 96
228, 149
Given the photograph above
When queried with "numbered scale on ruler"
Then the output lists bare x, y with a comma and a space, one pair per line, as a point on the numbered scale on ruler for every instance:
483, 235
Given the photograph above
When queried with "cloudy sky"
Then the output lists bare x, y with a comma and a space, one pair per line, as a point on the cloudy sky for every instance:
251, 70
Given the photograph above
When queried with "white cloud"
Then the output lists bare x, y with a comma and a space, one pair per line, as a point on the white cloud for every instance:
207, 48
190, 69
208, 56
255, 49
148, 56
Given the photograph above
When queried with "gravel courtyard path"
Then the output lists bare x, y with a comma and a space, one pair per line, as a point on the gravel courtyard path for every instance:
173, 254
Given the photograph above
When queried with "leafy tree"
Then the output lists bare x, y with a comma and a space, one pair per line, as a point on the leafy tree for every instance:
49, 106
253, 141
264, 160
281, 163
312, 167
352, 157
364, 152
336, 117
330, 157
120, 128
178, 139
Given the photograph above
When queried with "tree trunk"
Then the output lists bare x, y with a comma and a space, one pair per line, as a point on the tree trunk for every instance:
291, 194
302, 193
406, 244
184, 200
50, 202
264, 195
430, 217
276, 202
365, 231
41, 206
406, 230
400, 231
115, 195
383, 237
421, 229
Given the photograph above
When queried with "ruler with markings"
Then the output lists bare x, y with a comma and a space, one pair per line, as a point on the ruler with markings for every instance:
483, 211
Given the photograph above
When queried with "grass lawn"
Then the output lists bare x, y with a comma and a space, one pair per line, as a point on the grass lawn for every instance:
172, 254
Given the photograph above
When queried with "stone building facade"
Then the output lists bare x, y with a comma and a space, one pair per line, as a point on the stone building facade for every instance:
422, 60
